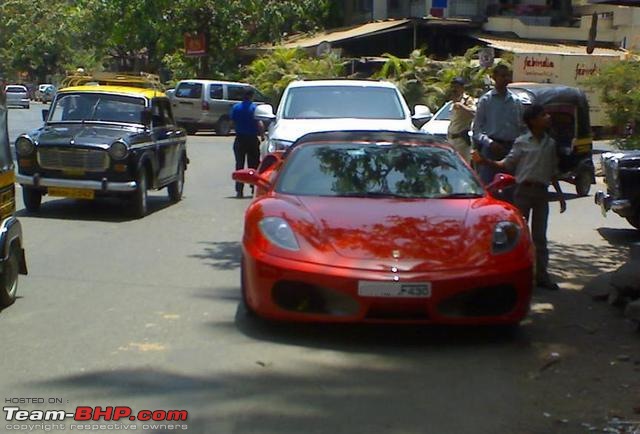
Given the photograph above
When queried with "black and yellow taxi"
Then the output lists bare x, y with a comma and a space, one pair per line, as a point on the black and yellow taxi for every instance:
104, 135
12, 258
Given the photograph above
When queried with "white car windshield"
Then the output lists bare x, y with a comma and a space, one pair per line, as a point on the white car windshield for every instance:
330, 102
97, 107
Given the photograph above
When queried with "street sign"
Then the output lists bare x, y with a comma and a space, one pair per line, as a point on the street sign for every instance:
195, 44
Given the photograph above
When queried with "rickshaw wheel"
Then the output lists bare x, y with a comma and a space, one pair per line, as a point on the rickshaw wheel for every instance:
31, 198
583, 183
9, 279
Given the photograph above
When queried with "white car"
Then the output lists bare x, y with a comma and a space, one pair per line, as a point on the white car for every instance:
439, 123
331, 105
17, 95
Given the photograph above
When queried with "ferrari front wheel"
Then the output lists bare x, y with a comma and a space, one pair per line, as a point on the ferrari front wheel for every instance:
243, 290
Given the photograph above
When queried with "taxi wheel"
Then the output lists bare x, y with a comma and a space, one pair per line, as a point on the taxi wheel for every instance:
31, 198
9, 278
176, 187
583, 183
139, 199
223, 127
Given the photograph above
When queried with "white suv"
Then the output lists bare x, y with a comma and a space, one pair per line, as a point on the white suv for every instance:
330, 105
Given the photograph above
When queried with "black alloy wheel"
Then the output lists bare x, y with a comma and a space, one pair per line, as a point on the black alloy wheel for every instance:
139, 205
223, 127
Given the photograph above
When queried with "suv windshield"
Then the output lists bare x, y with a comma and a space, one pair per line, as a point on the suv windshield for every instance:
327, 102
377, 170
97, 107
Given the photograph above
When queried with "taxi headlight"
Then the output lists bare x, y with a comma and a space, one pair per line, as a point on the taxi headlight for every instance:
278, 232
118, 150
24, 146
505, 237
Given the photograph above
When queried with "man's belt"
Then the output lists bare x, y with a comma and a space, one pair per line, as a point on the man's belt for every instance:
461, 134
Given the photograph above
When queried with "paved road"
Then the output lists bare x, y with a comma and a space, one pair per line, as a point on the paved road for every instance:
144, 313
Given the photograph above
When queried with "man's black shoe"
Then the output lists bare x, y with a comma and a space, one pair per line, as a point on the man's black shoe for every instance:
239, 195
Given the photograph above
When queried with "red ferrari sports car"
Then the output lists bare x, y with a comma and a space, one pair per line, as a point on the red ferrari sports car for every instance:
381, 227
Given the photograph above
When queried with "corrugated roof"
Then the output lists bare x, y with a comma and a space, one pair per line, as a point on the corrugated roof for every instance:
337, 35
532, 46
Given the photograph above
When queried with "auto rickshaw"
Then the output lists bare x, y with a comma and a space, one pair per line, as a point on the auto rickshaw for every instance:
12, 258
570, 128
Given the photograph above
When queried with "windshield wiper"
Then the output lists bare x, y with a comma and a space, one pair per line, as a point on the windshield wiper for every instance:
458, 196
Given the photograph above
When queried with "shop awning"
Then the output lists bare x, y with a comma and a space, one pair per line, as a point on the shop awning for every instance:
334, 35
533, 46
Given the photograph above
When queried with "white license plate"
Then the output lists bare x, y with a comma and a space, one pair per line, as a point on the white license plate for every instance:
394, 289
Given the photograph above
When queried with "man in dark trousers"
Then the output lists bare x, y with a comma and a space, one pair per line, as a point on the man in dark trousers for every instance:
534, 161
248, 128
498, 121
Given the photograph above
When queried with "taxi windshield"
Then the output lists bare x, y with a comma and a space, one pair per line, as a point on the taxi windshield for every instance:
97, 107
377, 170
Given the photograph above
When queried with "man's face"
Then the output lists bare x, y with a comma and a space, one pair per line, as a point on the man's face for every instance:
541, 122
457, 90
502, 78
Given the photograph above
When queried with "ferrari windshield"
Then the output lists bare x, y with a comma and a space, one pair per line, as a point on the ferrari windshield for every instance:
98, 107
377, 170
329, 102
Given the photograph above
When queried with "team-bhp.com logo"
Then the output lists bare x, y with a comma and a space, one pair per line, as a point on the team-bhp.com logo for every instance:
84, 414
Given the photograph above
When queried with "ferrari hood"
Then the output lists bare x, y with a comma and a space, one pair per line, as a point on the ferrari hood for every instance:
417, 231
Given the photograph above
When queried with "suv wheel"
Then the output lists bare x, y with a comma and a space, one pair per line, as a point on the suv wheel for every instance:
139, 199
176, 187
32, 199
223, 127
9, 278
635, 220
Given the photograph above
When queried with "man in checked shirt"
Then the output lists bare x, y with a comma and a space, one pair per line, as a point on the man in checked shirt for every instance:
534, 161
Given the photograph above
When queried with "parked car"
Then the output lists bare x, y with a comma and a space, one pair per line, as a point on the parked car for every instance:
328, 105
622, 176
381, 226
206, 104
438, 125
106, 140
12, 257
45, 93
17, 95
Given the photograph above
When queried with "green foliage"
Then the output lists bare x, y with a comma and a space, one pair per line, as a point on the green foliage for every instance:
426, 81
273, 72
619, 86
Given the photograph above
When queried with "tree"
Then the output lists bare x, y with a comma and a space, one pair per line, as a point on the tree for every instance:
619, 86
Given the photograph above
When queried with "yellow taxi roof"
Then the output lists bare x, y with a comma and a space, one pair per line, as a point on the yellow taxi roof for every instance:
128, 90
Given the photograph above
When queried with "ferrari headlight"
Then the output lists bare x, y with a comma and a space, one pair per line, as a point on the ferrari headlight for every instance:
278, 145
505, 237
24, 146
118, 150
278, 232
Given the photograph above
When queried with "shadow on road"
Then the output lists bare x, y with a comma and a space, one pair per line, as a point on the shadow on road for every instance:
221, 255
111, 210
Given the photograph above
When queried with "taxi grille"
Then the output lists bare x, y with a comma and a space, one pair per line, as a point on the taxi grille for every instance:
89, 160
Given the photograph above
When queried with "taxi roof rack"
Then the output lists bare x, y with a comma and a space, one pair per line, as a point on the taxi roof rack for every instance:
142, 80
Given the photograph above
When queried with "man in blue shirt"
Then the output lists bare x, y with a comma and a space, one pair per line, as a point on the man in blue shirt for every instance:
498, 121
246, 145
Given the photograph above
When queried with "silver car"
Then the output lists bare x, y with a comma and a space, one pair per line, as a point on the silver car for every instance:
17, 95
205, 104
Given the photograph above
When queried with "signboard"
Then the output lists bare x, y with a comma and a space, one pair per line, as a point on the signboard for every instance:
567, 69
195, 44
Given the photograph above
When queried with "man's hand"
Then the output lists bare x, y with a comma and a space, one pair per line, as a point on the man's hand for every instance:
476, 157
496, 148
